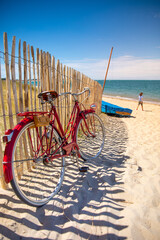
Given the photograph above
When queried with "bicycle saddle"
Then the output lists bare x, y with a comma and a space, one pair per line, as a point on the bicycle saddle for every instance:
45, 94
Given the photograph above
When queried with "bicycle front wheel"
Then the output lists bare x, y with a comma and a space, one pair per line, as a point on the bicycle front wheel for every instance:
90, 136
36, 179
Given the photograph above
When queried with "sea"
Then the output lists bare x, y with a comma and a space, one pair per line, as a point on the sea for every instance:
130, 89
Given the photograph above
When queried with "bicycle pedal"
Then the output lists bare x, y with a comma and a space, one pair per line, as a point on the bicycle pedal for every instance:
83, 169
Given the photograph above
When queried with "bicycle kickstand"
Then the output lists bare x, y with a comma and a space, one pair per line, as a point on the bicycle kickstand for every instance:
81, 169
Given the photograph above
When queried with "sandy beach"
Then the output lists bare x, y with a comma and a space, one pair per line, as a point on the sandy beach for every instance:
142, 171
118, 198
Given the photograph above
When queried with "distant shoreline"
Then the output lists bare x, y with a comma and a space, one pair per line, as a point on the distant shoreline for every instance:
129, 99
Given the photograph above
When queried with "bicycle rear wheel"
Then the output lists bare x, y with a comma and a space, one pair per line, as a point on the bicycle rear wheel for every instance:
36, 179
90, 136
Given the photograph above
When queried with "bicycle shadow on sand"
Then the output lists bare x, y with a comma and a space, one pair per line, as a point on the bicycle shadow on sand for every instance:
88, 206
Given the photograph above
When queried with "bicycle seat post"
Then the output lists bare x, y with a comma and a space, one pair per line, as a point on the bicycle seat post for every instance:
42, 102
50, 99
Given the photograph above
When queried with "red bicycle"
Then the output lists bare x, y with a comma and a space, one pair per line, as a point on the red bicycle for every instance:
34, 159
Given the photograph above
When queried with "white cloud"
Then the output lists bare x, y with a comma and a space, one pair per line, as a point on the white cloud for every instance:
121, 68
125, 67
3, 71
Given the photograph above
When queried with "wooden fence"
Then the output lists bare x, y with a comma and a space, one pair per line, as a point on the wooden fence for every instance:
32, 72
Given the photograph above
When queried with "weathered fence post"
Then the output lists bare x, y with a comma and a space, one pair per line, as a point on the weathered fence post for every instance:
48, 77
57, 82
20, 78
53, 73
2, 101
25, 78
47, 72
44, 72
8, 87
34, 79
30, 81
41, 70
13, 74
37, 64
3, 184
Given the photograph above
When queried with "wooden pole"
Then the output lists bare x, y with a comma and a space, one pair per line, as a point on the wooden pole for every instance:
20, 78
44, 72
29, 75
57, 83
3, 184
69, 90
25, 77
65, 90
107, 70
34, 78
53, 73
37, 67
49, 70
8, 87
13, 75
41, 70
2, 100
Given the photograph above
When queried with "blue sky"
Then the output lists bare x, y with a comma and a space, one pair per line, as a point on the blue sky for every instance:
81, 34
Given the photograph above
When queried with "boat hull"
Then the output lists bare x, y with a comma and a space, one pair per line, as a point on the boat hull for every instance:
114, 109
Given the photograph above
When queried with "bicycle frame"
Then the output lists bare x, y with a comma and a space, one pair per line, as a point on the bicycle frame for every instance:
75, 117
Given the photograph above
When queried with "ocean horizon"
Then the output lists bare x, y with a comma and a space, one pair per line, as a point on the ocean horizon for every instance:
130, 89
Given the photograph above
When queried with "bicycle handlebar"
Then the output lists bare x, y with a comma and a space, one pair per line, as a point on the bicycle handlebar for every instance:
85, 90
77, 94
49, 96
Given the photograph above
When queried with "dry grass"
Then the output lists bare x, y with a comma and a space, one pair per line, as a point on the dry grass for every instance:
2, 127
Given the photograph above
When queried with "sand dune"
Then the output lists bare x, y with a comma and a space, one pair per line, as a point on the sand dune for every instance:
118, 198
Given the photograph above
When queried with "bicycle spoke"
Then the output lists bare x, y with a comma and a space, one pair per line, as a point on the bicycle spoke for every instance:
39, 181
90, 136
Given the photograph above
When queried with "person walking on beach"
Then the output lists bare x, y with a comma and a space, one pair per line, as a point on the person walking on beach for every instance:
140, 102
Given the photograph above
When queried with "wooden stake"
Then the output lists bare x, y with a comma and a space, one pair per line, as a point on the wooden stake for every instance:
3, 184
25, 77
47, 72
49, 69
30, 82
44, 72
69, 90
34, 79
53, 73
37, 64
14, 88
20, 78
57, 83
107, 70
8, 87
2, 100
65, 100
41, 70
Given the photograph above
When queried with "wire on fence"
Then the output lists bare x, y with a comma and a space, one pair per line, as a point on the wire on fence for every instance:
40, 65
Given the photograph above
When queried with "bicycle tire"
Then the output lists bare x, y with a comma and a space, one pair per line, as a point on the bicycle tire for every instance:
90, 141
35, 182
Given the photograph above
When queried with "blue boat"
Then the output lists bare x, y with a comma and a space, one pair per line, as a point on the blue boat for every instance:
114, 109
